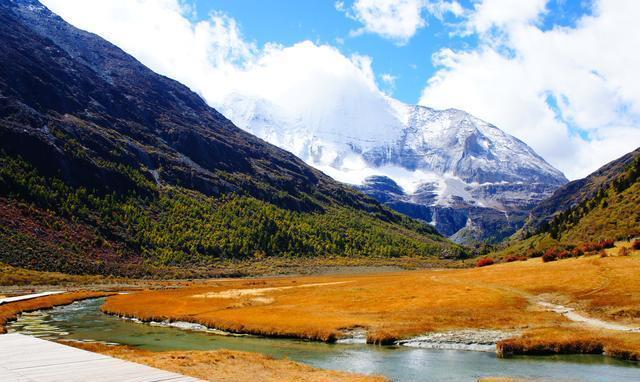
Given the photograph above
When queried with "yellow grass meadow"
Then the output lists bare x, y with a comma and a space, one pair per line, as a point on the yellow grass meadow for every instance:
400, 305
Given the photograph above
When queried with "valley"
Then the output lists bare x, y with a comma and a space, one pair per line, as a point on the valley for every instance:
330, 236
509, 309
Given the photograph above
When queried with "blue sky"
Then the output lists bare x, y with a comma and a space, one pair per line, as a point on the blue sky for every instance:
289, 21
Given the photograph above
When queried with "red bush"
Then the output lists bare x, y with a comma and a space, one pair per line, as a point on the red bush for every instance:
607, 243
635, 245
550, 255
513, 258
593, 246
563, 255
577, 252
485, 261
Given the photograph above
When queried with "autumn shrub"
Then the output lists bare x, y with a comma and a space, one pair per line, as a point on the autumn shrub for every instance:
608, 243
602, 253
563, 255
550, 255
635, 245
534, 253
512, 258
597, 246
485, 261
623, 251
577, 252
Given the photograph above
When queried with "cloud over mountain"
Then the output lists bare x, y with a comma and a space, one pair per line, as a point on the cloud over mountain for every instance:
570, 91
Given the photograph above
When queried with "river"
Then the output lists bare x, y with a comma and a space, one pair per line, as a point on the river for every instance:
84, 321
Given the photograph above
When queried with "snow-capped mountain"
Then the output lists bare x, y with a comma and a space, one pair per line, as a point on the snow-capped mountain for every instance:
467, 177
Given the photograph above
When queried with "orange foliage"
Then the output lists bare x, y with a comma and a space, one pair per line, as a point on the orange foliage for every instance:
391, 306
485, 261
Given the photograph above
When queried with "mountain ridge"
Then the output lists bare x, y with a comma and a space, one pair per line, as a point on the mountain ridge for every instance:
578, 191
600, 207
108, 167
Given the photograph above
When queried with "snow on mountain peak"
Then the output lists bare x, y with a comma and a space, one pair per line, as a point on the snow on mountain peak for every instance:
440, 158
383, 136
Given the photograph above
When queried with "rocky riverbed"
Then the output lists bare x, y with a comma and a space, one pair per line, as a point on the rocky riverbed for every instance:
476, 340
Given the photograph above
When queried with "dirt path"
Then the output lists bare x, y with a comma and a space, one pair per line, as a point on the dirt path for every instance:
567, 312
572, 315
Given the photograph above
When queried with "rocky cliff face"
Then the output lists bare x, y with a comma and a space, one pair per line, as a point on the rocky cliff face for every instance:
463, 175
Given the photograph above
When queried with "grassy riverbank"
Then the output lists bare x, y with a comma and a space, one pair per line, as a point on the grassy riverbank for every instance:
219, 365
10, 311
227, 365
392, 306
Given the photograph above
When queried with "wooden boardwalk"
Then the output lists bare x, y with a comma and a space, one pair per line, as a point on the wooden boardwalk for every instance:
29, 359
27, 296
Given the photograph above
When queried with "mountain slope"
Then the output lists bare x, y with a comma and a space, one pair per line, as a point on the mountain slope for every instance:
602, 206
465, 176
605, 206
576, 192
122, 169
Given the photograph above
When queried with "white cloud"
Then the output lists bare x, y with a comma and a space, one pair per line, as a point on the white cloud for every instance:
589, 70
572, 93
389, 79
203, 55
440, 8
316, 83
397, 20
313, 82
212, 57
488, 14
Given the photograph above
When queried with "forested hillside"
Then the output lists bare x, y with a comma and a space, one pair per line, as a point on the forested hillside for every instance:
107, 167
603, 206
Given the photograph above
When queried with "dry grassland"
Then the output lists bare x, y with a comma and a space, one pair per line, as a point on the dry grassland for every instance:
574, 340
227, 366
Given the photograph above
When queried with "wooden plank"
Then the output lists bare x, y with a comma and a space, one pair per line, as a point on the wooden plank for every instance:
29, 359
8, 375
7, 300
